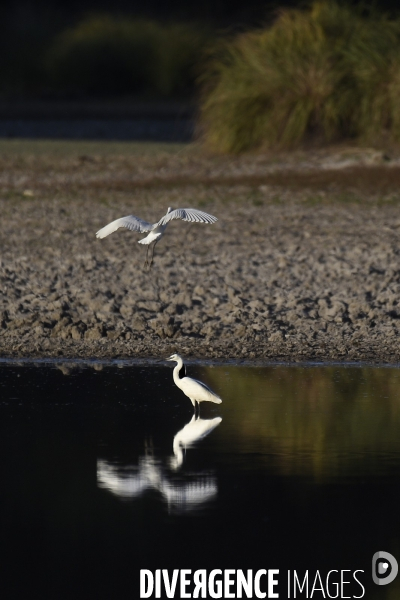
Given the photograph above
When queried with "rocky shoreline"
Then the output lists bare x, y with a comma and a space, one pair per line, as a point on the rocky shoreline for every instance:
290, 272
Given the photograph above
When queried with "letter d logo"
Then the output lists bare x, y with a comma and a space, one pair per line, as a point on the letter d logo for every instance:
384, 568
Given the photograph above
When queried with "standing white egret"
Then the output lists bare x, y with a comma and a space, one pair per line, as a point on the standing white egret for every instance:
192, 388
156, 230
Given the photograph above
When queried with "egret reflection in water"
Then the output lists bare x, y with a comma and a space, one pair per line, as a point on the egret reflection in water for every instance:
130, 482
195, 430
307, 459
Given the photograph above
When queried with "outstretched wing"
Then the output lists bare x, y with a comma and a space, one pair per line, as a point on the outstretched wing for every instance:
187, 214
130, 222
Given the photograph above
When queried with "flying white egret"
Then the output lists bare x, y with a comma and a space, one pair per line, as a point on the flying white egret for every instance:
193, 389
156, 230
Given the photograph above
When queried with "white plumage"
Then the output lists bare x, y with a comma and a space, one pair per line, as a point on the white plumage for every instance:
156, 230
193, 431
132, 482
192, 388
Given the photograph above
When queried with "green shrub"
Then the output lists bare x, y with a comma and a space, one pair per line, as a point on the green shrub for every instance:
322, 74
106, 55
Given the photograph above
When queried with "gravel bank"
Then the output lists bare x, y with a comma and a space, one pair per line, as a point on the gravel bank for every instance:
303, 263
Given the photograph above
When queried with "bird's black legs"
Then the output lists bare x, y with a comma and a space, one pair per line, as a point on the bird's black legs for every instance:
146, 262
196, 409
152, 254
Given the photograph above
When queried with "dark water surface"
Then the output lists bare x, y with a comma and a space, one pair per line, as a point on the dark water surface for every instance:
297, 469
140, 129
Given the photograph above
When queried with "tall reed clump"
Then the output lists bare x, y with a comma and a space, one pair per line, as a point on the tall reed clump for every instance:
114, 56
317, 75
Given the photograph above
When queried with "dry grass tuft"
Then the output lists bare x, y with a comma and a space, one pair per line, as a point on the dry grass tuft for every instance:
323, 74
